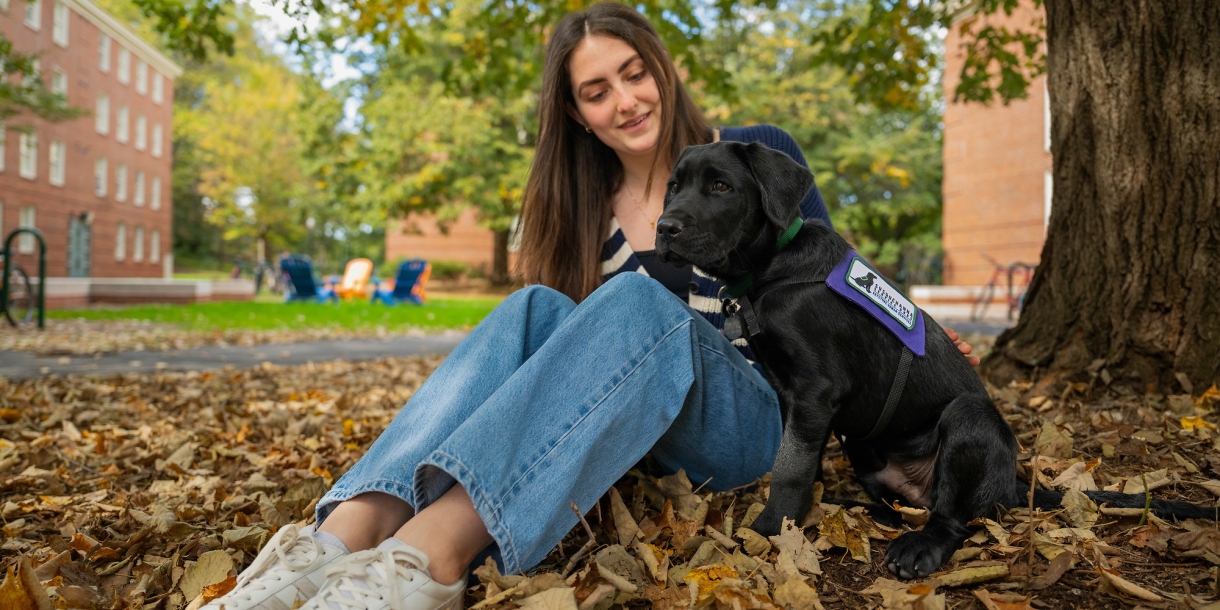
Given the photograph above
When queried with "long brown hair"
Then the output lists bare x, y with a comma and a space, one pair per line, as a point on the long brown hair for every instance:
566, 212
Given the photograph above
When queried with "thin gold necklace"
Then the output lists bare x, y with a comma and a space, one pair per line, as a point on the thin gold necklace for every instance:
639, 207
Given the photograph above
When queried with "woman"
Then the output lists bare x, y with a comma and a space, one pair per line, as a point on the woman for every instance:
570, 381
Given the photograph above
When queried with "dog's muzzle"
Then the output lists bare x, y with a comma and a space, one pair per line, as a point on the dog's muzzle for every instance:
669, 231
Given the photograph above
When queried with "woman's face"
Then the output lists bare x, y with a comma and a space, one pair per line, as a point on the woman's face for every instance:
616, 96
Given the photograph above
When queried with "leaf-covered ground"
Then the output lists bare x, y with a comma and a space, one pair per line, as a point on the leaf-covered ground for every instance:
153, 491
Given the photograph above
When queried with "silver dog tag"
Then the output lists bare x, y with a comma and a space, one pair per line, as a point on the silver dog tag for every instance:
732, 328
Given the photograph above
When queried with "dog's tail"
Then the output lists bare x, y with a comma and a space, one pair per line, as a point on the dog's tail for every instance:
1165, 509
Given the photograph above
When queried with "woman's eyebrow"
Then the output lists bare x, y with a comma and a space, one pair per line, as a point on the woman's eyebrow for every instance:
595, 81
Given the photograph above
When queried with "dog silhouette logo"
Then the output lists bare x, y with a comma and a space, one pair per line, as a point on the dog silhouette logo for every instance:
866, 281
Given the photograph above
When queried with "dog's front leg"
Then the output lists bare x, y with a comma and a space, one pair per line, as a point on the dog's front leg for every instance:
797, 466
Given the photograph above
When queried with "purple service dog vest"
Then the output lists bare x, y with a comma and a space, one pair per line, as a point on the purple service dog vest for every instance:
857, 281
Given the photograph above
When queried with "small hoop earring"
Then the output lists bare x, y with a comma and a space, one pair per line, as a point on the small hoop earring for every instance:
587, 130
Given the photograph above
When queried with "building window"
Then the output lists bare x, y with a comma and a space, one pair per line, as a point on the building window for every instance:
137, 247
120, 125
124, 65
141, 77
59, 29
120, 242
103, 53
33, 14
120, 183
3, 148
99, 177
155, 195
29, 156
3, 9
156, 141
1046, 114
30, 79
158, 94
141, 133
59, 81
56, 159
25, 242
101, 115
138, 199
1048, 190
154, 246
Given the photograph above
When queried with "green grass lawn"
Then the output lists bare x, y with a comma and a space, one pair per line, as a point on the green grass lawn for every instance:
437, 314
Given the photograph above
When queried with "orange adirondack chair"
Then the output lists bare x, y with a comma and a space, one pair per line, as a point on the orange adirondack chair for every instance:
355, 282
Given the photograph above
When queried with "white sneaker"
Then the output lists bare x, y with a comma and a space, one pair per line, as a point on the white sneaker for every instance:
286, 573
392, 576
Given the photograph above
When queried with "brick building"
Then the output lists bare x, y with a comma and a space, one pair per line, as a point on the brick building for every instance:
98, 187
418, 236
997, 164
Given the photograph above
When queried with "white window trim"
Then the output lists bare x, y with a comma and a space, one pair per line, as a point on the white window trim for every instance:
27, 219
154, 246
154, 195
157, 147
141, 77
137, 244
101, 176
120, 183
1046, 115
124, 65
120, 241
1048, 192
141, 132
34, 23
28, 147
158, 87
122, 125
57, 161
59, 30
58, 76
101, 114
103, 53
138, 196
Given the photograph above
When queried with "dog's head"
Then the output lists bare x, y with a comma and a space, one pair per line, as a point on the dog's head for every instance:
727, 203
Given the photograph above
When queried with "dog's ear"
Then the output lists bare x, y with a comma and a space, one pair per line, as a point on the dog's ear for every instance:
782, 182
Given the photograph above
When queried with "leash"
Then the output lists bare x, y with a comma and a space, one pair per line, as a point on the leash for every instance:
891, 403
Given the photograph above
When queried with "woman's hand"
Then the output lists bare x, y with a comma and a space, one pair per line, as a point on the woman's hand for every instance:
962, 346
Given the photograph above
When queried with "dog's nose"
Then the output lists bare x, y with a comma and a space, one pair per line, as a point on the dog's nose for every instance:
669, 227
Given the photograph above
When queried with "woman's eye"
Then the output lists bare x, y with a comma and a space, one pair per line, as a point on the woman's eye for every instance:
597, 97
637, 76
720, 187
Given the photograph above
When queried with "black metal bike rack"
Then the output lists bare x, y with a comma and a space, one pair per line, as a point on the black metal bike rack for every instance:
42, 271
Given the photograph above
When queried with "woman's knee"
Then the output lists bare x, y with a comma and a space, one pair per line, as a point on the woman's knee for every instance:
637, 289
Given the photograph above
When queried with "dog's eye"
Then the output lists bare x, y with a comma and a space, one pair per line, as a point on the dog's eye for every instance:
673, 187
720, 187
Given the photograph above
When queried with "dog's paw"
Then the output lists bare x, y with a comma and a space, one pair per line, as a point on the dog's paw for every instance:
915, 555
768, 523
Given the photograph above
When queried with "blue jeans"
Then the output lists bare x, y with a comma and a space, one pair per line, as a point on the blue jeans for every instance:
548, 402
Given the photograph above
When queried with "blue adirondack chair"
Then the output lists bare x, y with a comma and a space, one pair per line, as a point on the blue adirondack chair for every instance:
408, 284
304, 287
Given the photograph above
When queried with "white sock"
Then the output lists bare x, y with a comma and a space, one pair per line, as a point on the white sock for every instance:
330, 539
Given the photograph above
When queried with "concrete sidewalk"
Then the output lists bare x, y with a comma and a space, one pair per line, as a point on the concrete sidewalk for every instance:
24, 365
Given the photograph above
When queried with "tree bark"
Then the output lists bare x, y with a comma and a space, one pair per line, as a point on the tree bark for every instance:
1129, 280
499, 260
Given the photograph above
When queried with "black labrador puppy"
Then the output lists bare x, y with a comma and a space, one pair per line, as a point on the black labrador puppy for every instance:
942, 445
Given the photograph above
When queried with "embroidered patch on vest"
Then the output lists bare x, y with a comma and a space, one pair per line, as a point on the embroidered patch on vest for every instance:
857, 281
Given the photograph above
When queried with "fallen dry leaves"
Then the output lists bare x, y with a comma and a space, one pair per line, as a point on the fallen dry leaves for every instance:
155, 491
74, 337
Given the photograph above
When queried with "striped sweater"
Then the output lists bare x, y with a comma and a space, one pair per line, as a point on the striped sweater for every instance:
618, 257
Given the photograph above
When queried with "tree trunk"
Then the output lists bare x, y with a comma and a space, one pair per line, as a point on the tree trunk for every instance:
499, 260
1129, 281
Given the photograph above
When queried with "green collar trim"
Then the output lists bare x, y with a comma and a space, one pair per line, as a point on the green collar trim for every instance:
739, 287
